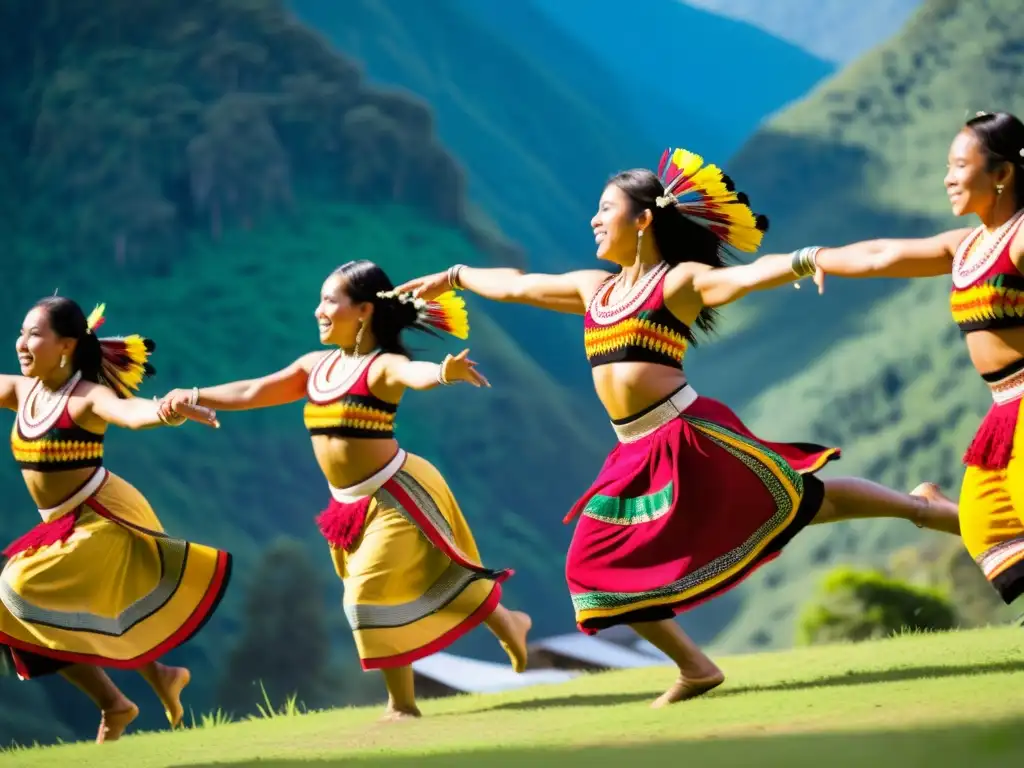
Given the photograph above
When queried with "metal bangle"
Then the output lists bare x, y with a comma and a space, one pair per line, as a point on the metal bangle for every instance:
453, 276
441, 378
804, 261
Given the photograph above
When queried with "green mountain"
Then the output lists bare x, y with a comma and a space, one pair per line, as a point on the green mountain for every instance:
875, 366
200, 169
493, 104
688, 77
836, 30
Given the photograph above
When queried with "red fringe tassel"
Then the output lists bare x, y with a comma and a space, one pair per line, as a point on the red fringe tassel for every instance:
43, 535
341, 524
993, 442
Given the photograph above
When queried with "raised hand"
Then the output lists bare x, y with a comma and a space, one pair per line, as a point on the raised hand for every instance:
428, 287
460, 368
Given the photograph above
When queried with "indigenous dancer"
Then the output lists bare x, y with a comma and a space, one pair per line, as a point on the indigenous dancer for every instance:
98, 582
689, 503
985, 177
413, 579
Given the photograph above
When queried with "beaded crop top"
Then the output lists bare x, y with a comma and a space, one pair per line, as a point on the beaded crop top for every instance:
640, 328
988, 289
52, 441
346, 408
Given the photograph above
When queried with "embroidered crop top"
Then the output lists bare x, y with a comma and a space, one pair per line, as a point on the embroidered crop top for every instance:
640, 328
51, 441
988, 289
346, 408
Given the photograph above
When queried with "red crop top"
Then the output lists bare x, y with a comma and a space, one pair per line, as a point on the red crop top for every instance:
638, 328
346, 408
988, 289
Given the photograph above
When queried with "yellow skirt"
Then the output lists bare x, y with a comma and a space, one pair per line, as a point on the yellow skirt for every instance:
992, 496
412, 577
113, 591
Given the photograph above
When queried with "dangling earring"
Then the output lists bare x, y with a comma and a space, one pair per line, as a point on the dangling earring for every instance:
999, 189
359, 336
639, 241
63, 360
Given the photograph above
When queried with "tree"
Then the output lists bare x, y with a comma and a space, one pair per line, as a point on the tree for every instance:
285, 643
859, 605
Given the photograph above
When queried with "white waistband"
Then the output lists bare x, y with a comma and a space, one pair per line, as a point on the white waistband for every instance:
657, 417
1008, 389
74, 500
370, 485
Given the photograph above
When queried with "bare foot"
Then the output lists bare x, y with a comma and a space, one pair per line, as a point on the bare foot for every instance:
688, 688
520, 625
112, 724
940, 512
172, 682
395, 714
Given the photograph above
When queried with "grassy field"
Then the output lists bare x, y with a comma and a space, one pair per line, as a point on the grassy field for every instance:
906, 701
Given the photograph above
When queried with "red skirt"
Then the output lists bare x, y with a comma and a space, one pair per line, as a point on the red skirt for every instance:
684, 514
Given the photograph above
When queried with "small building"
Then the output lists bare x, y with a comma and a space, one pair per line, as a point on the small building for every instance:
445, 674
577, 651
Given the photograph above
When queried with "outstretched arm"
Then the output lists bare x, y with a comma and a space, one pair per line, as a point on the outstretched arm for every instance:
9, 392
285, 386
137, 413
715, 287
922, 257
926, 257
569, 293
398, 372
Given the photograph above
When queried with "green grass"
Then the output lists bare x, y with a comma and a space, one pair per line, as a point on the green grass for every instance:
876, 367
244, 308
909, 700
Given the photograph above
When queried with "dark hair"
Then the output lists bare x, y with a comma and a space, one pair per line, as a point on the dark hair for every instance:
679, 238
120, 363
1001, 136
68, 321
364, 280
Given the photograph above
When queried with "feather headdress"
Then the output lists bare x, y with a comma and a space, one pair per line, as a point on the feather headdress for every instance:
124, 359
708, 197
445, 313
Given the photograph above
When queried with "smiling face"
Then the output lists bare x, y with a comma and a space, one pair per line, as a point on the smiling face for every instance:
970, 184
616, 226
39, 348
336, 316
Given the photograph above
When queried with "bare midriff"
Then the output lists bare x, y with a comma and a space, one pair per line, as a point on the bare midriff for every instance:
347, 461
626, 389
49, 489
993, 350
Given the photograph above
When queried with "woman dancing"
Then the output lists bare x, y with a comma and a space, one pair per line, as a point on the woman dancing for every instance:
985, 178
413, 579
689, 503
98, 582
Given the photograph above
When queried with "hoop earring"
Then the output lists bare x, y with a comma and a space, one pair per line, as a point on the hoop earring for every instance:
359, 336
63, 360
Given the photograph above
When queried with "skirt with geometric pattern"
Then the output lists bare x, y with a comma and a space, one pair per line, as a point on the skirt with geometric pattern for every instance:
412, 576
683, 510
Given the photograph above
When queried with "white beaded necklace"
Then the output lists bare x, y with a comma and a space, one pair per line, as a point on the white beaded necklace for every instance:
982, 259
32, 427
321, 390
606, 314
